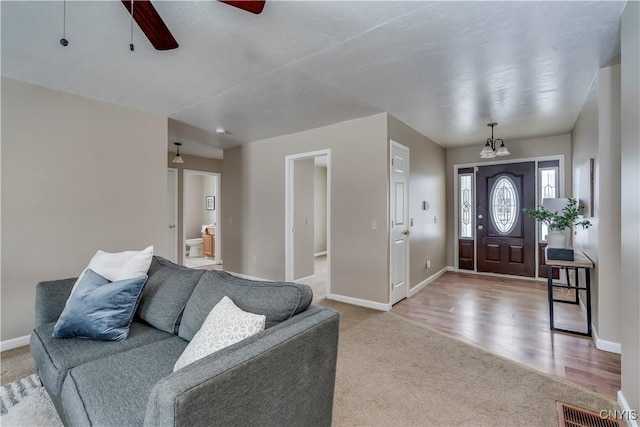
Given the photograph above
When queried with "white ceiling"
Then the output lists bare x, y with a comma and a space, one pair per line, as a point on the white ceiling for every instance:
444, 68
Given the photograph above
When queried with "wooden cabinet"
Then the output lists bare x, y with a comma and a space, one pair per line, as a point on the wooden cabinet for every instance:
209, 243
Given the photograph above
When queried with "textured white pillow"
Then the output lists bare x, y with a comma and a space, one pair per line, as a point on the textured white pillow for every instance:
118, 266
226, 324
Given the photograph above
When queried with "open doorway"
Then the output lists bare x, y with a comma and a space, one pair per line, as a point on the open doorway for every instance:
200, 219
307, 219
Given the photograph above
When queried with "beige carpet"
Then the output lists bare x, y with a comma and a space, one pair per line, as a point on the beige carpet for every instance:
394, 372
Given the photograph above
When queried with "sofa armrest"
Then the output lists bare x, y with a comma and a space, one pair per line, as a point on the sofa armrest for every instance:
284, 376
51, 298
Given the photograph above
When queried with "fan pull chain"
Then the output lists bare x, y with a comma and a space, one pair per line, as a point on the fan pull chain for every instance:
63, 40
131, 47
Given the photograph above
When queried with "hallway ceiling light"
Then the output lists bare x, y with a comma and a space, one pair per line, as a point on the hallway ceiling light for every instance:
177, 158
489, 151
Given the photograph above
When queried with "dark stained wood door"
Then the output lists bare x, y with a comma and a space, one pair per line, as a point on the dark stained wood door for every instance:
505, 236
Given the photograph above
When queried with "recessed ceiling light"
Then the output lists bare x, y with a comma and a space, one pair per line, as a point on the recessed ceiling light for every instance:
221, 130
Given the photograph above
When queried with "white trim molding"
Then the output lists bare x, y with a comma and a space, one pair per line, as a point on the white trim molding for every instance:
14, 343
627, 411
507, 276
360, 302
610, 346
426, 281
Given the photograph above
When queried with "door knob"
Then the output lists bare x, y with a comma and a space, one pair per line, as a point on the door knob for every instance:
172, 226
481, 227
406, 232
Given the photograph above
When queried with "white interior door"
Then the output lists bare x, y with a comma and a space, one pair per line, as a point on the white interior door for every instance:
172, 214
399, 214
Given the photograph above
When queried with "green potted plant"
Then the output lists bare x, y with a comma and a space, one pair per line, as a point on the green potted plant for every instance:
558, 222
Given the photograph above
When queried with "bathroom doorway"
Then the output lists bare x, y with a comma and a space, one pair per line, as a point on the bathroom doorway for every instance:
200, 219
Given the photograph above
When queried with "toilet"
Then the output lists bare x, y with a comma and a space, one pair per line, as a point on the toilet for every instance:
195, 247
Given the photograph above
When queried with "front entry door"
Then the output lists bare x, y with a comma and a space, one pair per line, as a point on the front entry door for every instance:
505, 236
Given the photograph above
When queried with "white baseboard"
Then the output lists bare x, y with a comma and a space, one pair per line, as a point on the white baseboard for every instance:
360, 302
426, 281
320, 253
506, 276
631, 416
15, 343
304, 278
610, 346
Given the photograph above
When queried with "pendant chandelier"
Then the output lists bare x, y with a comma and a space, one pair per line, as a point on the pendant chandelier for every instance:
178, 157
489, 151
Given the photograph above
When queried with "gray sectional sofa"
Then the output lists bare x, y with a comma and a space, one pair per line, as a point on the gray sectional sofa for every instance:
283, 376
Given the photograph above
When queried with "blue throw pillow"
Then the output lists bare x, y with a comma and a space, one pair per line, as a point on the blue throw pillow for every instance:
99, 309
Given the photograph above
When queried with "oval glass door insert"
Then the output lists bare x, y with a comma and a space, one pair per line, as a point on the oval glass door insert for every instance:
505, 206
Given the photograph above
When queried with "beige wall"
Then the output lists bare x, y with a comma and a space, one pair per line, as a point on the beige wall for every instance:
596, 135
253, 205
585, 142
520, 149
194, 206
426, 183
78, 175
210, 188
198, 164
630, 234
320, 208
303, 218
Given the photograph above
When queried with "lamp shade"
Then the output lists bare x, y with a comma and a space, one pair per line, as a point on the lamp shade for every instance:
502, 151
487, 152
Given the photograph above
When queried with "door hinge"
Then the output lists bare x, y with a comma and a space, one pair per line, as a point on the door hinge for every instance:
392, 162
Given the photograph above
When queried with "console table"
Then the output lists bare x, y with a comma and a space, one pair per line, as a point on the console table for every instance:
580, 261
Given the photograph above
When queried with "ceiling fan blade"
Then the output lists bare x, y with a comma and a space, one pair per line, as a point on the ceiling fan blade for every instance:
151, 24
248, 5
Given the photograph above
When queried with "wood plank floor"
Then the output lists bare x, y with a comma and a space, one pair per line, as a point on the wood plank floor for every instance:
511, 317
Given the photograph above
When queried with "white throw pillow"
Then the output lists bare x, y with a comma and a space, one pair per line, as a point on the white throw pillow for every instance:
118, 266
226, 324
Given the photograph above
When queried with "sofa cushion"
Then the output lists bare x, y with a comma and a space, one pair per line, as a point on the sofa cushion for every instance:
278, 301
100, 309
54, 357
116, 266
166, 293
113, 391
226, 324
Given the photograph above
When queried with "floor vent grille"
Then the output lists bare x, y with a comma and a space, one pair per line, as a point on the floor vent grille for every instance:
572, 416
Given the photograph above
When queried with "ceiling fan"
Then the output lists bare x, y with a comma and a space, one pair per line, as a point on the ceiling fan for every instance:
155, 29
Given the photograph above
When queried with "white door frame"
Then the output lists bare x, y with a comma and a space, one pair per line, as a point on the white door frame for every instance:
218, 246
288, 212
561, 192
174, 172
395, 144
